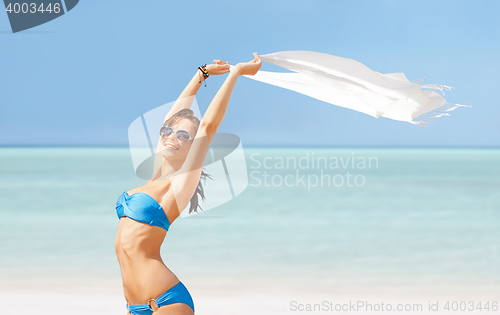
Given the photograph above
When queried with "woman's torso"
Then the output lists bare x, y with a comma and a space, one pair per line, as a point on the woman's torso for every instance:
137, 247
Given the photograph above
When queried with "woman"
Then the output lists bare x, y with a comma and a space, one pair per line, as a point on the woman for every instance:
146, 212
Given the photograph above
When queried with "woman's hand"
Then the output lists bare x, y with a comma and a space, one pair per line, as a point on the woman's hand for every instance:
249, 68
218, 67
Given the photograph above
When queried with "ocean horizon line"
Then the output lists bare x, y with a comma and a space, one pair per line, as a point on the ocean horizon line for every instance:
96, 146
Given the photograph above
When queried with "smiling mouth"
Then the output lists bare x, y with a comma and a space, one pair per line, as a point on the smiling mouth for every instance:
170, 147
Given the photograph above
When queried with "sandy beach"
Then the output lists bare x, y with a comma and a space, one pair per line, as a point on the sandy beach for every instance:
108, 300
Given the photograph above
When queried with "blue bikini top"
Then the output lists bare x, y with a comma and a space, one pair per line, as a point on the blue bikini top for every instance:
143, 208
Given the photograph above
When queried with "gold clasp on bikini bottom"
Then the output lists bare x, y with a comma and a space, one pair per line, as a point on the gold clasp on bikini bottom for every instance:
155, 307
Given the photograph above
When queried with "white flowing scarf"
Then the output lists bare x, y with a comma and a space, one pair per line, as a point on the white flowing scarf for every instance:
348, 83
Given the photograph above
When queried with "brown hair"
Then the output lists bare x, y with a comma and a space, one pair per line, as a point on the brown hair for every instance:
187, 113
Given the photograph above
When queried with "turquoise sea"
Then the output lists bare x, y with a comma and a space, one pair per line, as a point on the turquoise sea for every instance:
418, 218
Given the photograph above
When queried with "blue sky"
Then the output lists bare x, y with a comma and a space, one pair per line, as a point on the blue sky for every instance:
83, 78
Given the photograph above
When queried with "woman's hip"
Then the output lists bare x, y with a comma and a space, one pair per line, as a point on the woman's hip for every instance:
175, 295
146, 280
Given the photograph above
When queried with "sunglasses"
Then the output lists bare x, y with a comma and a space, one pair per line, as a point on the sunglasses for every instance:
182, 135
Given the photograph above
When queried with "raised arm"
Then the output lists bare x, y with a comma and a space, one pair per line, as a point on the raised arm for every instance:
185, 181
215, 113
186, 98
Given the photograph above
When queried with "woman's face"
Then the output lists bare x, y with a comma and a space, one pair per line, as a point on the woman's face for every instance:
172, 149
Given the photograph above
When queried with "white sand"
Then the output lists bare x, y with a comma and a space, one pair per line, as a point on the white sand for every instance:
108, 300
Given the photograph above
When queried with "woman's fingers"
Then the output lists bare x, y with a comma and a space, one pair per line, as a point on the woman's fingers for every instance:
257, 58
222, 64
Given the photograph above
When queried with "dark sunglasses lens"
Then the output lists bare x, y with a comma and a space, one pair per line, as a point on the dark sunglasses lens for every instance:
166, 131
183, 136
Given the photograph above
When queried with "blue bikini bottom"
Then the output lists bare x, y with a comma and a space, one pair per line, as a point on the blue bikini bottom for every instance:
177, 294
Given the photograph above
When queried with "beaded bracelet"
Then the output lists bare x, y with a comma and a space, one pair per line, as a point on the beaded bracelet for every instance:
204, 71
